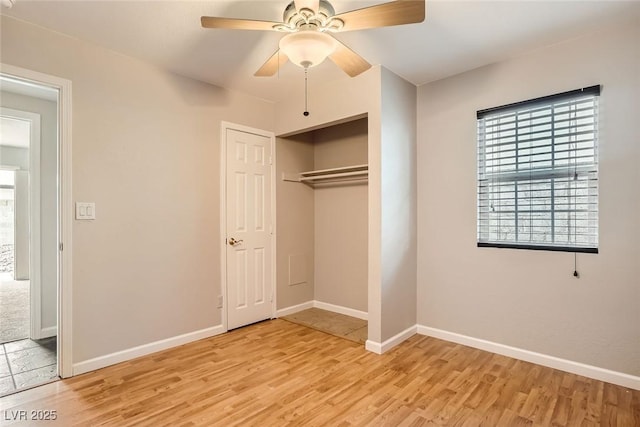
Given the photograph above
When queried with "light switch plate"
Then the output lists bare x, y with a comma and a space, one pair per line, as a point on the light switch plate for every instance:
85, 210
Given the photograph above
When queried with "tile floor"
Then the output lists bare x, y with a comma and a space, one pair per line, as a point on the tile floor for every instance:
332, 323
26, 363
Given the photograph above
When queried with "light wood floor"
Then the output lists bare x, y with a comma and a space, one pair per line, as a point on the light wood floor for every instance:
280, 374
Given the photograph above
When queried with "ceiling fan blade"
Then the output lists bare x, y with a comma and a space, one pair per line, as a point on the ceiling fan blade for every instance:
272, 65
307, 4
349, 61
398, 12
237, 24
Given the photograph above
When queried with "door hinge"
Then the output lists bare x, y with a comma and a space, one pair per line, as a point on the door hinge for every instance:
61, 246
270, 160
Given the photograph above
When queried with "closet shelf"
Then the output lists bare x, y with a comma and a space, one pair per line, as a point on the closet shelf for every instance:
343, 173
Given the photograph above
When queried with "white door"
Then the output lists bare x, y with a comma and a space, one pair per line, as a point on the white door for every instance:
248, 228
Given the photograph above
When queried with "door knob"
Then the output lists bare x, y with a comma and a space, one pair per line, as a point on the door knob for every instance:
234, 242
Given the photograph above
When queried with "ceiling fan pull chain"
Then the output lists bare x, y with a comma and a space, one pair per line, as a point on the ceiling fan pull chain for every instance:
306, 91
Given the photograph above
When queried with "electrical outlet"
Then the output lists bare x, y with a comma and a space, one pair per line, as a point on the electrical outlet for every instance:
220, 301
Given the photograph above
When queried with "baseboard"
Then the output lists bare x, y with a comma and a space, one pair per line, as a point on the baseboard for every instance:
373, 346
51, 331
323, 306
387, 345
601, 374
340, 309
143, 350
294, 309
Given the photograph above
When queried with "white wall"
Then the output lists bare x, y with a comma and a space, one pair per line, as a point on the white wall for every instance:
521, 298
21, 243
48, 111
13, 156
146, 151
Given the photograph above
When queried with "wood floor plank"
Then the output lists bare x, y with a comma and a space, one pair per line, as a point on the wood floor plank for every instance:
277, 373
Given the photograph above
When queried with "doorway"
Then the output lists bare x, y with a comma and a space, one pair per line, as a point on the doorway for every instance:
29, 230
28, 329
248, 222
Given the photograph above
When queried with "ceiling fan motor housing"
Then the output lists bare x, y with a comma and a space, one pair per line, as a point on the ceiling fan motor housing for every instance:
321, 20
324, 8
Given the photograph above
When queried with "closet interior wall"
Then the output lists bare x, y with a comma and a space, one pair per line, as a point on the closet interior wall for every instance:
322, 242
295, 223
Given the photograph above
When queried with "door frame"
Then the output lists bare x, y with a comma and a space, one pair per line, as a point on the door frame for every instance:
65, 207
35, 270
224, 127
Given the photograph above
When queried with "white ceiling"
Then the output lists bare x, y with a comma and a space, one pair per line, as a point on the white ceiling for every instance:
456, 36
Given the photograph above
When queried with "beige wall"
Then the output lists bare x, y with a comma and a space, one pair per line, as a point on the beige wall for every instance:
295, 222
341, 145
48, 111
398, 208
333, 102
341, 218
146, 151
529, 299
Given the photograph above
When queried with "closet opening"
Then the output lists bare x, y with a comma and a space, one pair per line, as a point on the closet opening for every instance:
322, 222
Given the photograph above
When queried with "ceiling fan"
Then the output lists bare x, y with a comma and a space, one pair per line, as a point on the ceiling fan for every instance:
308, 24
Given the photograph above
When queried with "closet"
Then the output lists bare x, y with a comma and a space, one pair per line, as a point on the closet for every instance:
322, 219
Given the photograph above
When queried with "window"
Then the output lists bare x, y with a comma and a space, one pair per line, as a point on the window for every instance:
538, 173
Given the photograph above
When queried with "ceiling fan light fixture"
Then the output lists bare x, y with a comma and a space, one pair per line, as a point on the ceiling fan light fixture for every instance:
307, 48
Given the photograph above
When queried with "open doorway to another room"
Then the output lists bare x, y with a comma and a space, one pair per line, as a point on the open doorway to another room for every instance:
14, 288
28, 235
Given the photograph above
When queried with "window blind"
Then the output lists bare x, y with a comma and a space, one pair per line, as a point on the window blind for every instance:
538, 173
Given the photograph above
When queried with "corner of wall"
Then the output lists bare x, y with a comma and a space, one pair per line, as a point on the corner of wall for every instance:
398, 204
